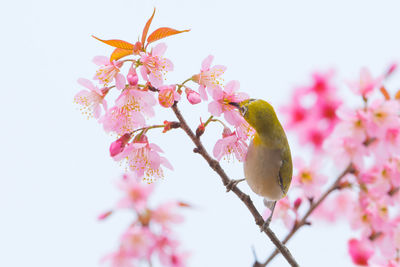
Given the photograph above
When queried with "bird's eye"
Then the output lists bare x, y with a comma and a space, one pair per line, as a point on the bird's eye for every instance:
243, 110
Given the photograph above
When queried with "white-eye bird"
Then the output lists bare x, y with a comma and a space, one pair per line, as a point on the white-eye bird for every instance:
268, 164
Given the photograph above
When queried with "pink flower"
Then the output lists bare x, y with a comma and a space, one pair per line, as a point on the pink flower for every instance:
336, 206
209, 78
174, 259
382, 115
119, 258
322, 84
166, 214
168, 252
91, 100
353, 123
221, 103
168, 95
143, 158
138, 242
132, 99
192, 96
284, 211
122, 120
136, 192
308, 178
296, 112
154, 65
230, 144
345, 150
366, 84
109, 71
119, 145
360, 251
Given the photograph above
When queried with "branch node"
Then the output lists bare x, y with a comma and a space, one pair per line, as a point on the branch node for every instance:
196, 150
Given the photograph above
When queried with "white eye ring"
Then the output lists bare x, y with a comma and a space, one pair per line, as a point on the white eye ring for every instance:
243, 110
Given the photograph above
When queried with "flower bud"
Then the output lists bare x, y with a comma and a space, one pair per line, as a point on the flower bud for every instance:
104, 215
132, 77
170, 125
297, 203
200, 129
118, 146
167, 96
192, 96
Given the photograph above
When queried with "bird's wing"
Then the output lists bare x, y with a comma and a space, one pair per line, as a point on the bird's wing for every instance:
286, 170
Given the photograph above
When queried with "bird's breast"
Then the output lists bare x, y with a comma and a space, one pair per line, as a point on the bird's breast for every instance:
261, 169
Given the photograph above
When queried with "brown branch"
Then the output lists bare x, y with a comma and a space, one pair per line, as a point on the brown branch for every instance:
225, 180
314, 205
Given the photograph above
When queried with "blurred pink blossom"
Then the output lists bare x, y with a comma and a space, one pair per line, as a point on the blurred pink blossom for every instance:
360, 251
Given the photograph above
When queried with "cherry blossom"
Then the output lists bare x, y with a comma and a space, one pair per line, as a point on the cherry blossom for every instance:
143, 158
109, 71
154, 65
168, 95
209, 77
223, 98
230, 144
92, 99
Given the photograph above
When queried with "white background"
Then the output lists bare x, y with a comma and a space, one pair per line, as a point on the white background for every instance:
56, 175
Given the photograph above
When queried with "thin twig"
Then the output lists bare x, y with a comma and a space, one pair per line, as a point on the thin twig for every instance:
242, 196
314, 205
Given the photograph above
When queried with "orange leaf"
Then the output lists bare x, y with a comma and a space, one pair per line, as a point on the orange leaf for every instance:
385, 93
120, 53
161, 33
116, 43
146, 27
397, 96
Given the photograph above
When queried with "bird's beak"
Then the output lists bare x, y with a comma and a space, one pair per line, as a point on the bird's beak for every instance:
236, 105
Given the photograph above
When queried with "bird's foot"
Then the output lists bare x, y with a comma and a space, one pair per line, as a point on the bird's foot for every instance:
233, 183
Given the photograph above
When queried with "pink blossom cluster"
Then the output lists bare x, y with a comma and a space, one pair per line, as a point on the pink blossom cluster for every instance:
366, 137
312, 110
137, 73
150, 236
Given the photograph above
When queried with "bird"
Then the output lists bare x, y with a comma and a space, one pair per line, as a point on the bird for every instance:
268, 166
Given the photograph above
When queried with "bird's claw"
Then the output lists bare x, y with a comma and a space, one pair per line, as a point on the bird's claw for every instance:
233, 183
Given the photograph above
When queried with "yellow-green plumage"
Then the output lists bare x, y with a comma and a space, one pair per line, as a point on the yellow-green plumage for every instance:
268, 162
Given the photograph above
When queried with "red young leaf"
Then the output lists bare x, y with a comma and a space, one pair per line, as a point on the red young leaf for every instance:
146, 27
116, 43
161, 33
120, 53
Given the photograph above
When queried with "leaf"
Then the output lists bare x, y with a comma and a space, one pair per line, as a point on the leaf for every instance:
146, 27
116, 43
161, 33
397, 96
385, 93
120, 53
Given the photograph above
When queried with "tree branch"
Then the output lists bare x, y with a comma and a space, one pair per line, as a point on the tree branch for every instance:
303, 221
225, 180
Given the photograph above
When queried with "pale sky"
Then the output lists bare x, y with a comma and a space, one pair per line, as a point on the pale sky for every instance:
56, 175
